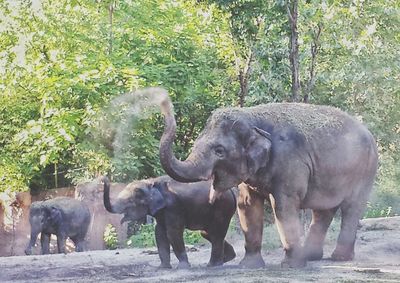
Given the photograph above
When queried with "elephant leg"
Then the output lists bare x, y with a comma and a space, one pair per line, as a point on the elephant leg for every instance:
217, 248
175, 237
80, 244
61, 239
351, 214
251, 215
45, 243
286, 211
313, 246
32, 242
229, 252
163, 246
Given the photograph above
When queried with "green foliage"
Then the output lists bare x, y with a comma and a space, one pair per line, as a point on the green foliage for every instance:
110, 237
63, 63
377, 210
60, 68
192, 237
144, 238
11, 178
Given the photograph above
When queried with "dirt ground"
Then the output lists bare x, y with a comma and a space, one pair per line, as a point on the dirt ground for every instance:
377, 260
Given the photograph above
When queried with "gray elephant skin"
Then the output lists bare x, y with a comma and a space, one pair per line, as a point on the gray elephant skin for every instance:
62, 216
177, 206
298, 155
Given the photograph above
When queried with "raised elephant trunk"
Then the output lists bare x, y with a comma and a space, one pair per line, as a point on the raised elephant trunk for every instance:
106, 196
182, 171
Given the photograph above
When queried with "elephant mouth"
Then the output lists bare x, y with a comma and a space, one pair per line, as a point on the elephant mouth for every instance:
221, 182
128, 218
131, 216
214, 193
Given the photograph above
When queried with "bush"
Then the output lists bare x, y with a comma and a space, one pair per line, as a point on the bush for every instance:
378, 210
110, 237
192, 237
145, 237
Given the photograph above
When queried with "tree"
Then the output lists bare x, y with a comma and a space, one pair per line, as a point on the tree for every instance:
62, 62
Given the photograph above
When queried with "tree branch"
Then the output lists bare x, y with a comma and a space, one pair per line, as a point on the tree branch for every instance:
111, 14
314, 51
244, 75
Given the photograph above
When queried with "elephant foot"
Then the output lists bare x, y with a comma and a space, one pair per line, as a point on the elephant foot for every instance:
28, 251
229, 253
165, 266
343, 253
294, 258
252, 261
293, 263
79, 249
215, 263
313, 254
183, 265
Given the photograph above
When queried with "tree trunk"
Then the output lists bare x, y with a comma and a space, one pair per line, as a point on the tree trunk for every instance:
244, 75
292, 8
314, 51
111, 15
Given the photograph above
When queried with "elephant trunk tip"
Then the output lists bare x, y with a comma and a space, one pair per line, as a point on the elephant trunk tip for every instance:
167, 107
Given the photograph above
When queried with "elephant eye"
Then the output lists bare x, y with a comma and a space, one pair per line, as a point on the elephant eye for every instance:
219, 151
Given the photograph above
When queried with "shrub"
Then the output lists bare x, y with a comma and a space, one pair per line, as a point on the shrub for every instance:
378, 210
110, 237
144, 238
192, 237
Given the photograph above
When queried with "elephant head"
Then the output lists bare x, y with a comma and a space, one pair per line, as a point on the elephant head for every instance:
137, 200
228, 150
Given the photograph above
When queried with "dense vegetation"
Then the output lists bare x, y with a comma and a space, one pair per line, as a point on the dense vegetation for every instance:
63, 62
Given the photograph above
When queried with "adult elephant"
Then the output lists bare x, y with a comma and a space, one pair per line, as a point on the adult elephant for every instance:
61, 216
299, 155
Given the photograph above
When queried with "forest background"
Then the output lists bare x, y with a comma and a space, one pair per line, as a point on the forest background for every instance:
63, 64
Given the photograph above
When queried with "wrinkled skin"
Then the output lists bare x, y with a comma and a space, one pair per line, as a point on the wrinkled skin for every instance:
177, 206
62, 216
297, 155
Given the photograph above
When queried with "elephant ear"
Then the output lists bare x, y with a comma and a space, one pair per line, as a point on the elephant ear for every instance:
156, 199
55, 215
258, 150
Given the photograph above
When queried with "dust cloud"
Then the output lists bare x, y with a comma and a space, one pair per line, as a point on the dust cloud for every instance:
120, 117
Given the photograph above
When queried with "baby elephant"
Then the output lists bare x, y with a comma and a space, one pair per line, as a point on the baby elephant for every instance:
62, 216
177, 206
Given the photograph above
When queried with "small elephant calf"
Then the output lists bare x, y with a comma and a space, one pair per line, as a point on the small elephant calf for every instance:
61, 216
177, 206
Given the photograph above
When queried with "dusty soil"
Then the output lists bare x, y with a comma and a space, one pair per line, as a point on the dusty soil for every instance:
377, 259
